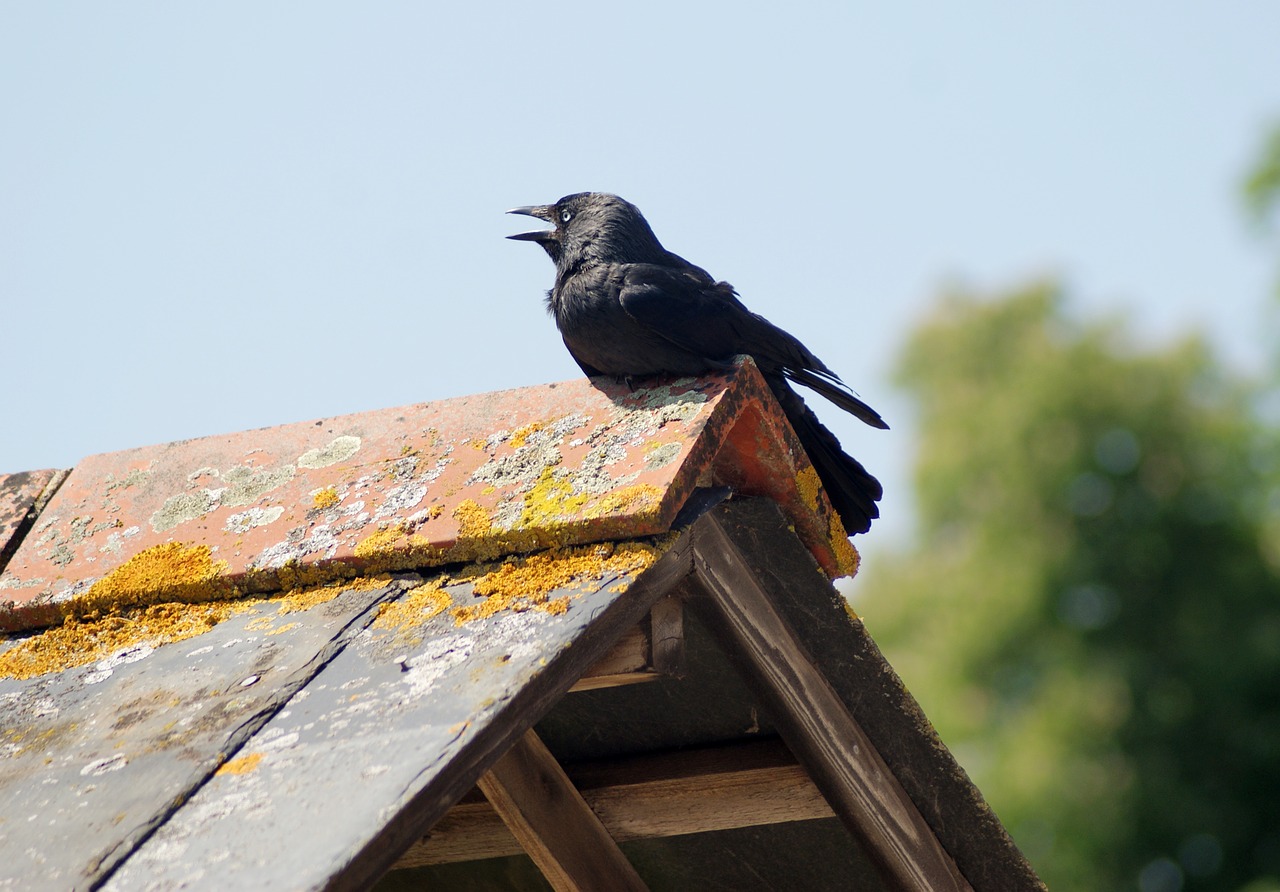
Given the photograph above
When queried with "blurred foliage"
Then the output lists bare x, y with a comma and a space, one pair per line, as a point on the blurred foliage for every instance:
1262, 184
1090, 612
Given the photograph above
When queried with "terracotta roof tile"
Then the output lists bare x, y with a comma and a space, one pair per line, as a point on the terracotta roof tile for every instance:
19, 495
435, 483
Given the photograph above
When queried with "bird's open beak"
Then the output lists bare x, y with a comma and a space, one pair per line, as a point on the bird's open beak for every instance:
542, 212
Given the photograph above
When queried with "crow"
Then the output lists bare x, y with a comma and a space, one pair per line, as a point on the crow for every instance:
628, 307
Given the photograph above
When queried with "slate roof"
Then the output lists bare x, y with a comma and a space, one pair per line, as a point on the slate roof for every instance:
285, 658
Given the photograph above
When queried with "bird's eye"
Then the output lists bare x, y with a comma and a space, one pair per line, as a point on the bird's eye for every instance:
566, 216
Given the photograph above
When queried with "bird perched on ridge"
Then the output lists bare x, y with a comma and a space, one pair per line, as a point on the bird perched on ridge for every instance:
628, 307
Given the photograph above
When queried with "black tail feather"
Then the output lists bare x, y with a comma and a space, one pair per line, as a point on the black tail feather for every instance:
835, 390
853, 492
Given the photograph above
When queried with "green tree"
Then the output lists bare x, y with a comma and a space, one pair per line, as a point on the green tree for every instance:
1262, 184
1261, 191
1091, 611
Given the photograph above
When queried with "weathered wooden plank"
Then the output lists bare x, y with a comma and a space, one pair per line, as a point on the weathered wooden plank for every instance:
720, 788
470, 831
876, 698
652, 650
811, 716
96, 756
553, 823
629, 661
666, 622
596, 682
395, 730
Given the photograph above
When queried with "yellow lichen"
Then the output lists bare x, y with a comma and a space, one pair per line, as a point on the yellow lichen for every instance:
847, 558
416, 606
300, 599
638, 499
380, 541
259, 624
473, 521
809, 486
550, 500
88, 639
325, 498
170, 571
296, 575
558, 606
79, 642
521, 434
242, 765
395, 548
526, 583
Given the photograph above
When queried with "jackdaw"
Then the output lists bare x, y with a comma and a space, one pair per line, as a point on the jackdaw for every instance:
627, 307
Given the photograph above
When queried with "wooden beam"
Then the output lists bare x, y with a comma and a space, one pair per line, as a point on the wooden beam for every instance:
553, 823
628, 662
738, 609
652, 650
666, 632
642, 797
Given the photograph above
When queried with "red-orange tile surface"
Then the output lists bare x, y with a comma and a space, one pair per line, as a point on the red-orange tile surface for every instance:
18, 494
455, 480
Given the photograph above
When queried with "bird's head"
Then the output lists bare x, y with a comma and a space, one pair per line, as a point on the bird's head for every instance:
592, 226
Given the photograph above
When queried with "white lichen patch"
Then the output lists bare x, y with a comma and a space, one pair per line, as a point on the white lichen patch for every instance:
400, 499
243, 485
520, 468
183, 507
340, 449
434, 662
298, 544
103, 669
254, 517
115, 541
136, 477
102, 766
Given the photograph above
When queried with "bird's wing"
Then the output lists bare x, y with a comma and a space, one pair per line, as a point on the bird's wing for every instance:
688, 308
692, 310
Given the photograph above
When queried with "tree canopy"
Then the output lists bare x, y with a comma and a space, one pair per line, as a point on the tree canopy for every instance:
1091, 610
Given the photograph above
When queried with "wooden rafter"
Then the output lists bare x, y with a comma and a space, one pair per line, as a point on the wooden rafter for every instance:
645, 797
811, 717
651, 650
759, 592
545, 812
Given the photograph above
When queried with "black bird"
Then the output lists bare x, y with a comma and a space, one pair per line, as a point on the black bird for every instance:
628, 307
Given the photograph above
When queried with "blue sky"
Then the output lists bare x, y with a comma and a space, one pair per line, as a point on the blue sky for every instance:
225, 216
